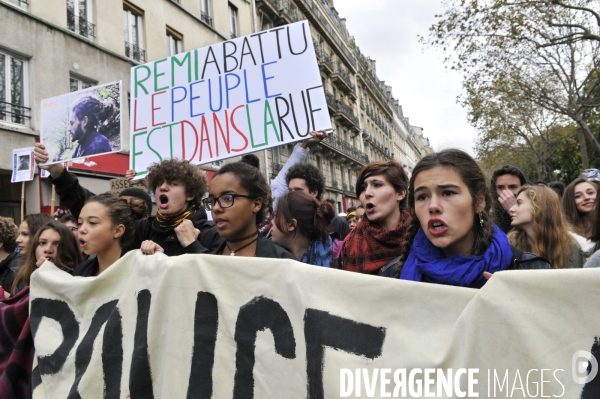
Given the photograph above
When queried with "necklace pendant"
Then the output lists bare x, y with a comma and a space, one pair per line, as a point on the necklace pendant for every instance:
232, 253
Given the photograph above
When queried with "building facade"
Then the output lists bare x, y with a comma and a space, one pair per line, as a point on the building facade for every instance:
51, 47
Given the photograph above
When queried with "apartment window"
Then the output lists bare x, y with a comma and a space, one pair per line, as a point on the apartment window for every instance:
205, 14
134, 43
13, 90
79, 84
174, 42
18, 3
233, 21
79, 16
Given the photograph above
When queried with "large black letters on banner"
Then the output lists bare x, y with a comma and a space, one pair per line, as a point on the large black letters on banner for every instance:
206, 321
591, 390
257, 315
59, 311
323, 329
112, 350
140, 375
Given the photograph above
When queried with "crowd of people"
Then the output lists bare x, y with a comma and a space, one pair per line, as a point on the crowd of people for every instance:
446, 224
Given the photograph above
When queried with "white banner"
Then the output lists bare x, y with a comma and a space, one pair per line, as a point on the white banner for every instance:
235, 97
202, 326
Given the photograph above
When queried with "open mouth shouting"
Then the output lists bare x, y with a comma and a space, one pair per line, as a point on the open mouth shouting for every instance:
437, 227
369, 208
163, 201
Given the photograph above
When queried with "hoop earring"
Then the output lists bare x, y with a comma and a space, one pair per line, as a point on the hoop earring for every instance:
481, 218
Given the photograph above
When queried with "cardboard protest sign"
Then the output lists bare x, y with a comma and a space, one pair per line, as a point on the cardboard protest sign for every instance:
118, 185
231, 98
83, 123
23, 165
213, 326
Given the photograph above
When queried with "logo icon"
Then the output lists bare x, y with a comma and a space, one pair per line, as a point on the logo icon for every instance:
579, 366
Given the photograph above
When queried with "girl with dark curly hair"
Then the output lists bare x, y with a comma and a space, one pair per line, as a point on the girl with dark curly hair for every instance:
238, 199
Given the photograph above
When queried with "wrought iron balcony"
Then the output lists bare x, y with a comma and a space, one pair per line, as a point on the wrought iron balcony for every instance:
276, 169
134, 52
206, 18
326, 63
344, 79
14, 113
345, 148
233, 35
80, 25
348, 112
334, 184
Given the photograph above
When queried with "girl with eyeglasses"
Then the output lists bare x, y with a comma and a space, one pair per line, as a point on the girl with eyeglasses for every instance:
239, 202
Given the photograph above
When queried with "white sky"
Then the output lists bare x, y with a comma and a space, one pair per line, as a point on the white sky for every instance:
386, 30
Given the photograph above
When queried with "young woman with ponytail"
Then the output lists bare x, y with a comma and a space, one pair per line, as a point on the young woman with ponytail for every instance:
301, 224
451, 239
374, 245
106, 227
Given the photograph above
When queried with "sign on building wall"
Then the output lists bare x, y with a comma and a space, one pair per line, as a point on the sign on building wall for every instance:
23, 165
209, 326
83, 123
231, 98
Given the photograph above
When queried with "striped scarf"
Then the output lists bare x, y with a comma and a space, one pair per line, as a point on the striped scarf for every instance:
169, 222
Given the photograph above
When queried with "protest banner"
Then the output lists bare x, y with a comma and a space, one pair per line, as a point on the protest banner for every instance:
231, 98
23, 165
202, 326
83, 123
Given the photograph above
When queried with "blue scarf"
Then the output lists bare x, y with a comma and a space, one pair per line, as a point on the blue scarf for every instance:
427, 262
319, 254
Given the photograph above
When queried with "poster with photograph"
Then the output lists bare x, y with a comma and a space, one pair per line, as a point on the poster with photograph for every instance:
23, 165
83, 123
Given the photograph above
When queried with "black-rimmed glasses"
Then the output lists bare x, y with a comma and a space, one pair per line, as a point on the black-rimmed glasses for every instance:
225, 201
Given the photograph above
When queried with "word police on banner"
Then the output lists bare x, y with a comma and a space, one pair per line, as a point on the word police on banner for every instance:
249, 93
202, 326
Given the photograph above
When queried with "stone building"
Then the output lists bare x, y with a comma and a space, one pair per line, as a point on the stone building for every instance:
51, 47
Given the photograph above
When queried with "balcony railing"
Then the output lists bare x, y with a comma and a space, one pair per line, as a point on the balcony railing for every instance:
346, 149
349, 112
206, 18
14, 113
233, 35
134, 52
80, 25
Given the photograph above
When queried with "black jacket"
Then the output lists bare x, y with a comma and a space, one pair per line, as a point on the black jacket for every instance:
9, 268
148, 229
71, 193
265, 248
527, 261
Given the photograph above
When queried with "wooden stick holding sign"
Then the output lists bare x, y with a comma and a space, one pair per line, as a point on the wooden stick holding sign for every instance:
22, 200
53, 201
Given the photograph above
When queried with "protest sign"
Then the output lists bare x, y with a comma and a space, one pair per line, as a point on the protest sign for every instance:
231, 98
23, 165
202, 326
118, 185
83, 123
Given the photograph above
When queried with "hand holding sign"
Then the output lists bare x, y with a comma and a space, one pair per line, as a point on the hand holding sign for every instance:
149, 247
41, 157
315, 138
